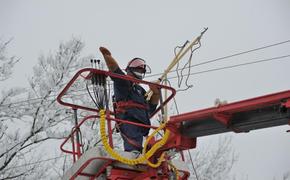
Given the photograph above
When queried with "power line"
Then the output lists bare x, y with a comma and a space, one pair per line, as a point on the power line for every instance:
202, 63
194, 169
228, 56
41, 99
194, 65
173, 77
177, 110
37, 100
237, 65
240, 53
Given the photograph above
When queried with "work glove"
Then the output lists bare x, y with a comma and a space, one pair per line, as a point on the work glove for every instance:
154, 88
105, 51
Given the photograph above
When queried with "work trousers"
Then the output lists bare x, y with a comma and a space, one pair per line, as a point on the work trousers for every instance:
132, 136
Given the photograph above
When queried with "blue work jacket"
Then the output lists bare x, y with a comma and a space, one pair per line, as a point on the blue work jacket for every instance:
125, 90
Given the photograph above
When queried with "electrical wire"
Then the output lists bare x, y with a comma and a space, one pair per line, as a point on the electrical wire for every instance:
177, 110
88, 90
172, 77
53, 97
206, 62
194, 169
194, 65
237, 65
37, 100
187, 65
241, 53
175, 54
229, 56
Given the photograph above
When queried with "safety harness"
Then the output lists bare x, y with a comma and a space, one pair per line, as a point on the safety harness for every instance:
122, 106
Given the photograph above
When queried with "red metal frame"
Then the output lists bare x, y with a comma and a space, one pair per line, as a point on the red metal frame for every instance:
176, 141
242, 116
93, 176
235, 107
76, 147
110, 74
117, 173
222, 114
287, 103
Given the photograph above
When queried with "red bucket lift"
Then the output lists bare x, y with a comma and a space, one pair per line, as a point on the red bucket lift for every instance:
243, 116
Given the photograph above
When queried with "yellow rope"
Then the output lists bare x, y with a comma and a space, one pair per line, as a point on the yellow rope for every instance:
158, 145
141, 159
177, 58
175, 170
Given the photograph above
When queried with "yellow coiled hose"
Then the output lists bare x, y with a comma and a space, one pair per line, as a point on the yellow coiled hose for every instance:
175, 170
145, 155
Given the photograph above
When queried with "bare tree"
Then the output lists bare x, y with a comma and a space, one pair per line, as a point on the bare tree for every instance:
212, 161
6, 116
30, 129
6, 62
286, 176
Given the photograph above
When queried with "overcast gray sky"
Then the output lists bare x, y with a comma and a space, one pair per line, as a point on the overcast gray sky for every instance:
151, 29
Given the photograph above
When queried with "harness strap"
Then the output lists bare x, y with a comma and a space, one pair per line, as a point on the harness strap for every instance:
121, 106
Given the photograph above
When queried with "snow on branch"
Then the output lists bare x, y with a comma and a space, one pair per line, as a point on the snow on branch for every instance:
38, 120
6, 62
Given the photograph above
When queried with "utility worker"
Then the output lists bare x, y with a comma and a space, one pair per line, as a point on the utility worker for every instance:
132, 95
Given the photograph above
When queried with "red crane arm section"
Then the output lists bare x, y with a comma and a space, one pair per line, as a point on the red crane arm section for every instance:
242, 116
